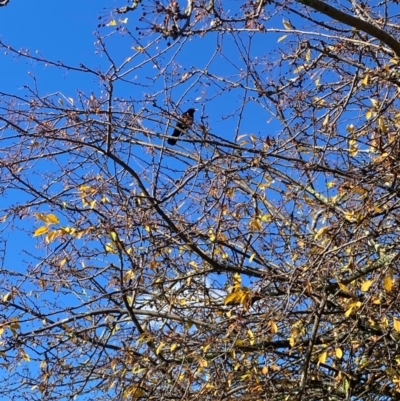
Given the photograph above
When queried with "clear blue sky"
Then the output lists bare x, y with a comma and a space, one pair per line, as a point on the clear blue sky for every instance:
59, 31
64, 31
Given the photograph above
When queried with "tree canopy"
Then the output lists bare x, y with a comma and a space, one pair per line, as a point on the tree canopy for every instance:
258, 258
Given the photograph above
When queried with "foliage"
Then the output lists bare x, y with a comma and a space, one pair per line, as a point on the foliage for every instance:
258, 259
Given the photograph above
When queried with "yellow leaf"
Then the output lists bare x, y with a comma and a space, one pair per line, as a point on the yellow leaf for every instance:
40, 216
287, 24
237, 278
255, 224
326, 120
15, 324
349, 215
203, 363
68, 230
352, 143
265, 370
110, 248
365, 80
40, 231
129, 275
352, 305
251, 336
230, 192
87, 190
113, 363
252, 257
234, 298
173, 347
366, 284
133, 391
211, 235
322, 357
274, 327
321, 232
160, 347
382, 125
80, 234
130, 301
112, 23
114, 236
51, 236
266, 217
298, 69
308, 55
374, 102
339, 353
282, 38
52, 219
123, 21
319, 102
369, 114
388, 283
396, 324
25, 356
7, 297
348, 312
353, 147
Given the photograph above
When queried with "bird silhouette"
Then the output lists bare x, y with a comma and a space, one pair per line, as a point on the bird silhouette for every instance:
185, 122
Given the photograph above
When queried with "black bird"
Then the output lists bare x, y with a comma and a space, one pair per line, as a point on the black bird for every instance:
183, 124
3, 2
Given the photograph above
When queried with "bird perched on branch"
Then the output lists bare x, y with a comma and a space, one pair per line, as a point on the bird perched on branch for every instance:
183, 124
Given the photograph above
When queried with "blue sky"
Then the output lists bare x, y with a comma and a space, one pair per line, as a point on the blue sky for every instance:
64, 31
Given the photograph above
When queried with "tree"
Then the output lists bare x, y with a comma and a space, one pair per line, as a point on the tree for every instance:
258, 259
